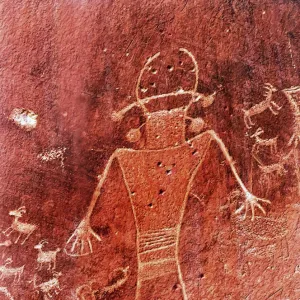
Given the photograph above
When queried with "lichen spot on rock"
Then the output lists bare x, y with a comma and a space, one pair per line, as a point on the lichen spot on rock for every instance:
24, 118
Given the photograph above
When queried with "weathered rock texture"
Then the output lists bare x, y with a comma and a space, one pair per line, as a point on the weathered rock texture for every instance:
67, 70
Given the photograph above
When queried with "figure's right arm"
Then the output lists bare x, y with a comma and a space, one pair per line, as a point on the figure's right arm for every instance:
79, 243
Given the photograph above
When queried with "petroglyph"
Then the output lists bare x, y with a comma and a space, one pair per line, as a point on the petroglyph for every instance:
264, 229
20, 227
170, 163
24, 118
54, 154
292, 95
269, 173
261, 252
4, 291
46, 257
50, 287
6, 243
86, 291
259, 142
154, 240
262, 106
7, 272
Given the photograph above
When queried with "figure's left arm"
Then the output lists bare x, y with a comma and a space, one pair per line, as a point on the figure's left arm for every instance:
250, 200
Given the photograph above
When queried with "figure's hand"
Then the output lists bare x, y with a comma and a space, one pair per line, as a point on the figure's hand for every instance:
79, 243
253, 202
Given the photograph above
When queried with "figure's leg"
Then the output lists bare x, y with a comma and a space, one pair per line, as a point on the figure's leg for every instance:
8, 231
272, 110
248, 121
28, 235
251, 200
16, 241
276, 105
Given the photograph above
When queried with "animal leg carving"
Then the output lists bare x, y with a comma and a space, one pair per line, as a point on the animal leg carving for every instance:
27, 237
8, 231
16, 241
248, 122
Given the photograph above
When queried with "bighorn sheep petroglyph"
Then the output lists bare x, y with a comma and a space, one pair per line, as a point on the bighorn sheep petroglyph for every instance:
20, 227
7, 272
46, 257
262, 106
272, 143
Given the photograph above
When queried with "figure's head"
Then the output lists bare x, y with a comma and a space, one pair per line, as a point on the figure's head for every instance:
18, 212
40, 245
165, 90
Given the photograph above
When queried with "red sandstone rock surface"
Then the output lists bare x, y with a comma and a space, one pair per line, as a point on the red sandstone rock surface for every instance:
116, 122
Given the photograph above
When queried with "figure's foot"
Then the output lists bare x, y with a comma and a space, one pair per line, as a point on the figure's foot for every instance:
79, 243
253, 202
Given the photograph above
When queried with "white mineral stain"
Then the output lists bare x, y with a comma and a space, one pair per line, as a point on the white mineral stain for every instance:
54, 154
24, 118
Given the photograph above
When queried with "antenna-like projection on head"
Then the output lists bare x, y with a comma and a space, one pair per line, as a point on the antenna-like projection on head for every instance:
195, 66
118, 116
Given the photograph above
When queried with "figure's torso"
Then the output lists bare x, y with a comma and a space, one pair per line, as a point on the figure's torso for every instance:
159, 180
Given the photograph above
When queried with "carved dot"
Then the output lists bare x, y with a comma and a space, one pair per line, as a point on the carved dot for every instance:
195, 152
169, 172
181, 62
176, 287
201, 275
161, 192
133, 193
157, 136
170, 68
152, 84
150, 205
154, 71
159, 164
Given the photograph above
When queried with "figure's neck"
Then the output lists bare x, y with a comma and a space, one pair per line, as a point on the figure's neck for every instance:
165, 129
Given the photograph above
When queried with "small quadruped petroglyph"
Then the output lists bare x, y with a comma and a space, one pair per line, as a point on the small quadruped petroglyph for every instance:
6, 271
20, 227
46, 257
290, 155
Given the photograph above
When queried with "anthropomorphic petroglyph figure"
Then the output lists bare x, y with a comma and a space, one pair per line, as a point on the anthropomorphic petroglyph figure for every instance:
87, 292
170, 163
7, 272
259, 142
20, 227
46, 257
268, 103
4, 291
50, 287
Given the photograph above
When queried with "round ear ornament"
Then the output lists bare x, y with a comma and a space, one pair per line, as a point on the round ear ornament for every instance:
197, 124
133, 135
